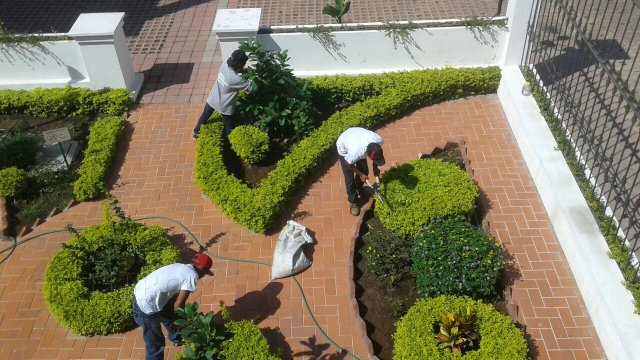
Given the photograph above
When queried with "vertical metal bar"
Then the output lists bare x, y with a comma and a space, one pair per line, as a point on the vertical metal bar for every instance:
499, 8
531, 29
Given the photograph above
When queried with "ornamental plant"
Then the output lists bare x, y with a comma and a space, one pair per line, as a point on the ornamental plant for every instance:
421, 191
278, 104
19, 150
415, 336
338, 11
89, 293
249, 143
454, 258
13, 181
388, 256
458, 330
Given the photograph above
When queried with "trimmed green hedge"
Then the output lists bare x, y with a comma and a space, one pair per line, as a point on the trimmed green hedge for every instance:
247, 342
64, 101
19, 150
249, 143
421, 191
13, 181
103, 140
415, 339
258, 208
89, 313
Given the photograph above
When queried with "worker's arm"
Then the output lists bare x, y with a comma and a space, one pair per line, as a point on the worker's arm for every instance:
354, 168
181, 300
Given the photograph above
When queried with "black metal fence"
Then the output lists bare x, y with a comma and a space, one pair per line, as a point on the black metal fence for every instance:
586, 56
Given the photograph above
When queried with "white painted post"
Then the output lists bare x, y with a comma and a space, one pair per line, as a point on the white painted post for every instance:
232, 26
518, 13
104, 49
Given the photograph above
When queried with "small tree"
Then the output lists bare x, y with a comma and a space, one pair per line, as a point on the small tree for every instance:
279, 104
338, 11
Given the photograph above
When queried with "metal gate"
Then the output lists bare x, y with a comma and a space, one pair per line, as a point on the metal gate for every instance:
586, 57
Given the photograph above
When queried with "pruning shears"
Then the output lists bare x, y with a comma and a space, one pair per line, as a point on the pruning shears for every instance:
376, 189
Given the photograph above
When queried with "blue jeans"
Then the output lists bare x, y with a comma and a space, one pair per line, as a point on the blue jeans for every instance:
206, 114
152, 332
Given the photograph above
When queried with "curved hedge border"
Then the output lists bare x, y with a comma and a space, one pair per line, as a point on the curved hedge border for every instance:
64, 101
415, 340
89, 313
421, 191
103, 140
257, 208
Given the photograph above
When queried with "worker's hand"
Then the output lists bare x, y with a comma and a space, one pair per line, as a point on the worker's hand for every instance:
378, 181
363, 178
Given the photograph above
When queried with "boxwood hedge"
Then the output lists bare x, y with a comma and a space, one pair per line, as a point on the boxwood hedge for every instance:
381, 98
13, 181
87, 312
421, 191
249, 143
414, 338
103, 140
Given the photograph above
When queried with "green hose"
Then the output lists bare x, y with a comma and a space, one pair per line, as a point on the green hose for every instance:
15, 244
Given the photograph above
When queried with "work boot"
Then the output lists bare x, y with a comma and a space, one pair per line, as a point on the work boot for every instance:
354, 209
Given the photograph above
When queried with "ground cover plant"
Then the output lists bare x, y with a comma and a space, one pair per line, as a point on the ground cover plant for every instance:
376, 99
25, 115
416, 335
88, 285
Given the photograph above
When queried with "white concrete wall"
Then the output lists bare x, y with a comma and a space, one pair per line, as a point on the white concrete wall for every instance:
51, 63
372, 51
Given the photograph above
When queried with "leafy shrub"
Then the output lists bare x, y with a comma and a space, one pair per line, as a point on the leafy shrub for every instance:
337, 11
388, 255
13, 181
457, 331
64, 101
278, 104
204, 339
249, 143
257, 208
103, 140
422, 191
87, 312
415, 336
18, 150
453, 258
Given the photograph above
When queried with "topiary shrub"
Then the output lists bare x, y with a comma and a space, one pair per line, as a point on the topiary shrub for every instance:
246, 342
115, 254
422, 191
249, 143
415, 336
454, 258
388, 255
13, 181
103, 140
18, 150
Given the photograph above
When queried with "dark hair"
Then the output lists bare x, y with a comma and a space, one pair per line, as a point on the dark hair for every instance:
237, 59
374, 151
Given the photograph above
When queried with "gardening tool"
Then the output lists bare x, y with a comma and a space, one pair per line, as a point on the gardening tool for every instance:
376, 189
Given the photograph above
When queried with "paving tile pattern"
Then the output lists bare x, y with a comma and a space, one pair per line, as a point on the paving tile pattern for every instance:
153, 176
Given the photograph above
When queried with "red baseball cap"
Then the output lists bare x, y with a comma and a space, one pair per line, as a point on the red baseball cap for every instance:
203, 260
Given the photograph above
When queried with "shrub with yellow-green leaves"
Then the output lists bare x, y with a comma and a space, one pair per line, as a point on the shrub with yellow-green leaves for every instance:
249, 143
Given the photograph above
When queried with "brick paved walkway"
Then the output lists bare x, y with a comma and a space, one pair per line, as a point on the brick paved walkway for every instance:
153, 176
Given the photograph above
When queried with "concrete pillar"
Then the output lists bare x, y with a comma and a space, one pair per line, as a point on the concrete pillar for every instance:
518, 14
104, 49
232, 26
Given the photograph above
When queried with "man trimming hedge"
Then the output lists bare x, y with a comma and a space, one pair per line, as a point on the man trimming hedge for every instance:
355, 145
158, 294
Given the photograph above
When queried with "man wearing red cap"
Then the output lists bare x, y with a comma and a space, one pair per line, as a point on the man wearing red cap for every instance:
355, 145
158, 294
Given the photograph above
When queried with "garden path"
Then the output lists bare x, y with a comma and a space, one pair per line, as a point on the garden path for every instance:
153, 175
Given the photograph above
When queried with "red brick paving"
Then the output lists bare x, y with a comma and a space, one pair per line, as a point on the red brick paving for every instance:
153, 176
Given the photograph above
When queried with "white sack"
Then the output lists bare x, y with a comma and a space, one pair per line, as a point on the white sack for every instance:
288, 257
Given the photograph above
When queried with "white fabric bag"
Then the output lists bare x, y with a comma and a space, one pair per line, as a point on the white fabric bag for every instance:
288, 258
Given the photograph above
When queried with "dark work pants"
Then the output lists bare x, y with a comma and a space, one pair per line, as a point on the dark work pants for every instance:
206, 114
351, 179
151, 331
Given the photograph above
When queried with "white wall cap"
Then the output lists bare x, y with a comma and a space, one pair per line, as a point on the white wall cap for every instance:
236, 20
96, 24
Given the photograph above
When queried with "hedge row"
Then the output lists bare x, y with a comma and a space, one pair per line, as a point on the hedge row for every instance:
415, 339
64, 101
12, 181
89, 313
103, 140
257, 208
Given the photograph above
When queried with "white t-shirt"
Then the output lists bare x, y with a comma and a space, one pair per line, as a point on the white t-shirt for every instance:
352, 143
225, 91
154, 291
